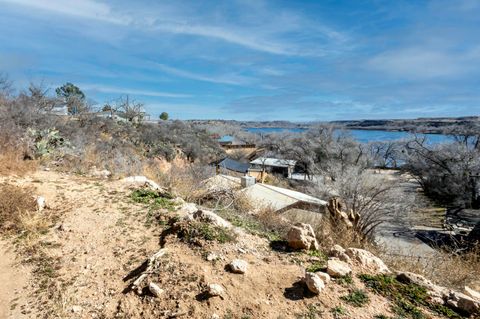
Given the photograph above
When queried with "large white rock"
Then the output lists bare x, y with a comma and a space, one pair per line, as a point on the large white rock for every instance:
472, 293
215, 290
238, 266
324, 276
41, 203
302, 236
100, 173
368, 260
435, 291
463, 302
211, 217
155, 289
140, 181
187, 210
340, 253
313, 282
337, 268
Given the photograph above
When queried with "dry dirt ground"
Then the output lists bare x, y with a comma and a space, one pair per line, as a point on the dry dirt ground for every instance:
92, 251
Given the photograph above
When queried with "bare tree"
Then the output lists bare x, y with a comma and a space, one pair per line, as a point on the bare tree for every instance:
132, 110
448, 173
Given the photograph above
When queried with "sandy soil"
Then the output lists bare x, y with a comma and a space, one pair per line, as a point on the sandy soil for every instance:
14, 278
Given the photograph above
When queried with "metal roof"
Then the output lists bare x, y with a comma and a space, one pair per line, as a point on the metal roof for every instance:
264, 195
234, 165
274, 162
279, 198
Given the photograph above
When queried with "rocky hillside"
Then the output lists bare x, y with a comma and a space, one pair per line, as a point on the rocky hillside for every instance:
102, 248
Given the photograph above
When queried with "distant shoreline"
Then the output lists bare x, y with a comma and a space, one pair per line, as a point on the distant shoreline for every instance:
421, 125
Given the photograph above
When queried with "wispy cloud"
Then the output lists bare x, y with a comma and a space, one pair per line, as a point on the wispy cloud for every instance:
89, 9
264, 37
233, 79
123, 90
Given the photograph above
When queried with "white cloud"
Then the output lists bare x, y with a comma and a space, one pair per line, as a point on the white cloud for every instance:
232, 79
89, 9
263, 35
420, 63
120, 90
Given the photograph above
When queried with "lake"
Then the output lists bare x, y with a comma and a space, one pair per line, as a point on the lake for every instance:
363, 136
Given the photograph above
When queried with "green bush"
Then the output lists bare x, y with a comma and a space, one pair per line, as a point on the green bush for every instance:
152, 198
407, 298
357, 298
199, 230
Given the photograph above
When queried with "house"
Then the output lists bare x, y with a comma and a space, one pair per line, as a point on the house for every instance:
225, 140
274, 165
231, 165
59, 110
263, 195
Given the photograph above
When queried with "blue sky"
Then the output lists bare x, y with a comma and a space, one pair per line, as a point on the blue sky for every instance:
253, 59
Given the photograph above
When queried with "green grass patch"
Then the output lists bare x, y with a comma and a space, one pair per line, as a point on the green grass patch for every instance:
317, 265
357, 298
407, 298
338, 312
153, 199
346, 280
312, 312
198, 230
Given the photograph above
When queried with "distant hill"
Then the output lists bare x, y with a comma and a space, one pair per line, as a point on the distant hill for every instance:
421, 125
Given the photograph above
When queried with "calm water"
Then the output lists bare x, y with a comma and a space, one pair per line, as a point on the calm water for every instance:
363, 136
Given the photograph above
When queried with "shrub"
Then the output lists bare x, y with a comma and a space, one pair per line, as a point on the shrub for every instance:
194, 231
357, 298
154, 199
407, 298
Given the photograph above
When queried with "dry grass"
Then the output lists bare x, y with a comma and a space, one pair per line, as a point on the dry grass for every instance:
12, 163
186, 181
446, 269
15, 202
328, 231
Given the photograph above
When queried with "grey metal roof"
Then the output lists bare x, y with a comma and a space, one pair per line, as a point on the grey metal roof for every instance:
234, 165
275, 162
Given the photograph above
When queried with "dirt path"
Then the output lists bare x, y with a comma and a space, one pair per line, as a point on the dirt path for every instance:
13, 279
99, 236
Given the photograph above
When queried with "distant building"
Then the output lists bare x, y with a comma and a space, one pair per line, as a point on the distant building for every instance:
274, 165
231, 165
59, 110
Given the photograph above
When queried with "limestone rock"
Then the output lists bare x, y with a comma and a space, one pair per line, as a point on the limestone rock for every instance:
463, 302
434, 291
211, 217
337, 268
155, 289
238, 266
41, 203
302, 236
140, 181
212, 257
340, 253
368, 260
187, 210
100, 173
313, 282
77, 309
324, 276
215, 290
472, 293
